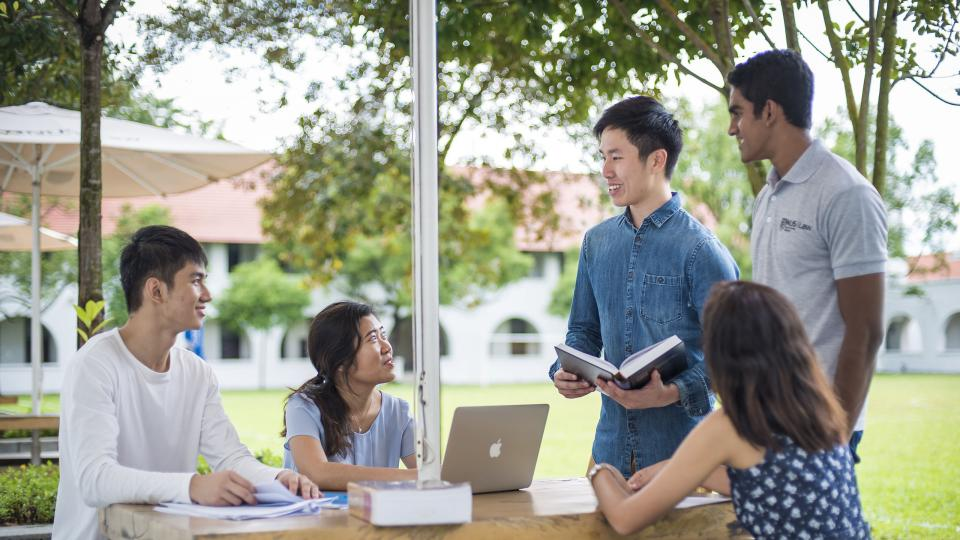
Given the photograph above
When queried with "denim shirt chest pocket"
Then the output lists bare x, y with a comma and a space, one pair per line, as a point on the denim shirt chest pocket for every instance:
660, 298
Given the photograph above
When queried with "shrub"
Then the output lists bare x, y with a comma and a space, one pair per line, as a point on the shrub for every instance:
26, 433
265, 456
28, 494
268, 458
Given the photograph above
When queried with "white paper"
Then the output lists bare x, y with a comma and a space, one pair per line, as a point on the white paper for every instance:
274, 492
273, 498
260, 511
694, 501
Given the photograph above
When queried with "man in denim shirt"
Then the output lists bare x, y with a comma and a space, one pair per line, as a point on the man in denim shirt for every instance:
643, 276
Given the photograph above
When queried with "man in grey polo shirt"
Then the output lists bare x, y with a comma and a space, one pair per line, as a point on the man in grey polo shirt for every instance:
819, 227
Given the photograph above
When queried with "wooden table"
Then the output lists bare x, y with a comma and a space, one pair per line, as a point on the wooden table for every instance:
547, 509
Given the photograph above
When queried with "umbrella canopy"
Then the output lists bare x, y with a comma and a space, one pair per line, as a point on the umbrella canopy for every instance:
16, 234
40, 154
137, 159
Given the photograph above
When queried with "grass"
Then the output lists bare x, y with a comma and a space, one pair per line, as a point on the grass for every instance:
909, 478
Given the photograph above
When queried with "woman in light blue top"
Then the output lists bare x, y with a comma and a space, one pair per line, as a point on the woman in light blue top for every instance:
338, 426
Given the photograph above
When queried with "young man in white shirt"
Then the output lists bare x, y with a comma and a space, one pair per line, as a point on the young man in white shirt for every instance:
137, 411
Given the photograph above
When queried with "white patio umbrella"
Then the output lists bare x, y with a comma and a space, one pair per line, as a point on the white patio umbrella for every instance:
16, 234
40, 155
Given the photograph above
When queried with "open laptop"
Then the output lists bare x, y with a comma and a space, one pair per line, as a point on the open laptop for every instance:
495, 447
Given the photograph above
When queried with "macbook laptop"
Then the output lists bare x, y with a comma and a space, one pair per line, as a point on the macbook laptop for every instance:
494, 448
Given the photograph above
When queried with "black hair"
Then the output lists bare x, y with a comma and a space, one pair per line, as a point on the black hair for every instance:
156, 251
332, 343
648, 126
779, 75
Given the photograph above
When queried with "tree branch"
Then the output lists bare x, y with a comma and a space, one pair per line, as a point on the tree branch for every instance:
931, 92
469, 112
790, 25
755, 19
690, 34
943, 54
855, 12
887, 61
661, 52
814, 46
869, 64
724, 35
108, 13
839, 60
68, 17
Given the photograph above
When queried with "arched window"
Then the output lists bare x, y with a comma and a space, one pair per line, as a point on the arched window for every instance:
515, 337
401, 339
952, 333
903, 335
15, 342
294, 344
223, 343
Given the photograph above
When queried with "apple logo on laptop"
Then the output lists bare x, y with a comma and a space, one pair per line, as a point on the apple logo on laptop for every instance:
495, 449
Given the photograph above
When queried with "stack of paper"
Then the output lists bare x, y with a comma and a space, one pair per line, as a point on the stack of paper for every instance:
273, 500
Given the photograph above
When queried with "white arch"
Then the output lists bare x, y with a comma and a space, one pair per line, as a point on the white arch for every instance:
507, 340
903, 334
951, 332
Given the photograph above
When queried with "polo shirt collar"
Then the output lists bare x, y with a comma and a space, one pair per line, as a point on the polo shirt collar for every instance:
804, 168
659, 216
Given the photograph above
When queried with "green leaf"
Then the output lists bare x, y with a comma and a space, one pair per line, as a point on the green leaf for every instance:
83, 335
100, 326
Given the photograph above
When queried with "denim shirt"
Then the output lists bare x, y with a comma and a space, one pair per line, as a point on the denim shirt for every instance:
636, 286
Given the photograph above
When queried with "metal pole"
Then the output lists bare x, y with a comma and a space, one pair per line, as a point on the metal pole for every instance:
426, 297
36, 338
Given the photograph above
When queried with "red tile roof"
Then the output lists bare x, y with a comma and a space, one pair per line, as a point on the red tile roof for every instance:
935, 267
221, 212
227, 211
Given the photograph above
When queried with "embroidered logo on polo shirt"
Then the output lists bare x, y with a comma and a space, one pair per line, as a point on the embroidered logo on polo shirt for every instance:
793, 225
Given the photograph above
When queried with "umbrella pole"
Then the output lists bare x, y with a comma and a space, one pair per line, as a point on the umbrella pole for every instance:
426, 299
36, 338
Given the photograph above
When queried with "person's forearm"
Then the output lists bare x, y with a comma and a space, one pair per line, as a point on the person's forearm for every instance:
855, 366
335, 476
860, 300
718, 481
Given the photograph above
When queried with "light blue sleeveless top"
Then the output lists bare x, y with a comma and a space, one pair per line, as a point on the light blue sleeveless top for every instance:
391, 436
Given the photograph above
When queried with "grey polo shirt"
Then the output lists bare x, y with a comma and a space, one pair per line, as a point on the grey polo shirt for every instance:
821, 222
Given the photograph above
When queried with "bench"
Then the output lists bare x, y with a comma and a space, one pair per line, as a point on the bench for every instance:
33, 423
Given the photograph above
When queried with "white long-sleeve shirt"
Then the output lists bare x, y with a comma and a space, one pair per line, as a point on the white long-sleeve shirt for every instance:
130, 434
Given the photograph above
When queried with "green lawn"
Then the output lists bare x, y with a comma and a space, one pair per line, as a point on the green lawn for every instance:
909, 478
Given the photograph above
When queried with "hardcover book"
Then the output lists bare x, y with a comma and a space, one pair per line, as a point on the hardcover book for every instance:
389, 504
669, 357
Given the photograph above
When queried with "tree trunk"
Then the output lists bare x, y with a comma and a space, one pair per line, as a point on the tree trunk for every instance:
883, 100
790, 25
91, 174
757, 174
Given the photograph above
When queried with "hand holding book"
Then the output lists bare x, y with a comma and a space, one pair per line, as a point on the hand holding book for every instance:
653, 394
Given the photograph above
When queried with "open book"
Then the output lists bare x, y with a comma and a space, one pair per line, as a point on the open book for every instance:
669, 357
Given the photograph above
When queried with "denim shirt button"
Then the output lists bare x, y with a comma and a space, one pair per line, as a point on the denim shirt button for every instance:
630, 275
660, 280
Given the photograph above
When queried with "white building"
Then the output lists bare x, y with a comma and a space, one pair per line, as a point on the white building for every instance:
509, 337
922, 313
